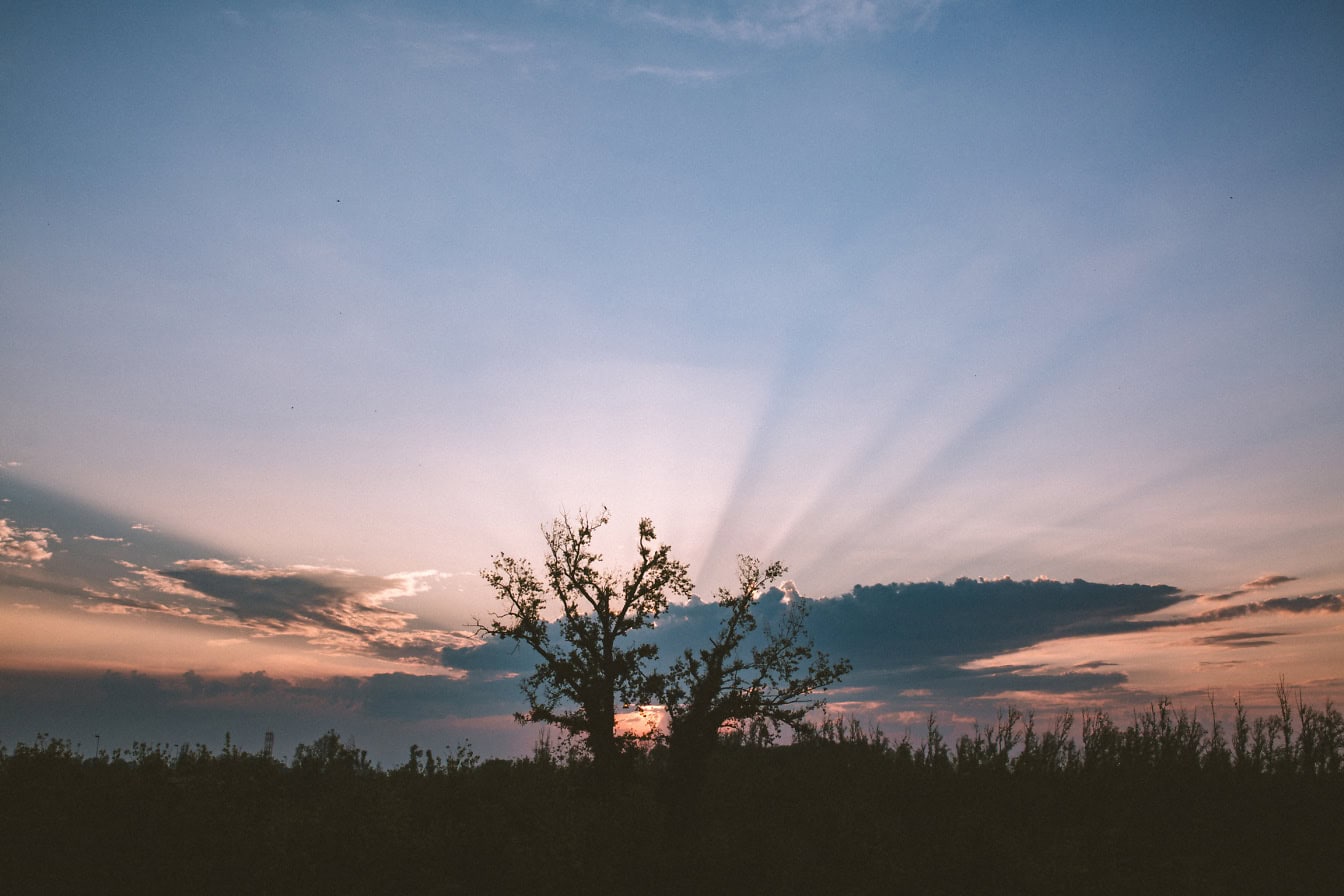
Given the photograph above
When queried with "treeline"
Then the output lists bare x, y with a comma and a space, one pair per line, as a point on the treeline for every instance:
1172, 801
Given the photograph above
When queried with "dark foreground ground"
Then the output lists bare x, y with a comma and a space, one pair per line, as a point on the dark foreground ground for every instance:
844, 819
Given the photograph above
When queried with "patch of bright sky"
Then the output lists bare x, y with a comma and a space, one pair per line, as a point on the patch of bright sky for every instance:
890, 290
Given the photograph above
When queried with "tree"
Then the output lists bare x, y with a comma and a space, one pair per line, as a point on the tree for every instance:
593, 663
733, 684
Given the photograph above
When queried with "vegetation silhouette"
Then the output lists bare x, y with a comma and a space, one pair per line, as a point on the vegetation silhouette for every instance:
1167, 803
592, 664
735, 691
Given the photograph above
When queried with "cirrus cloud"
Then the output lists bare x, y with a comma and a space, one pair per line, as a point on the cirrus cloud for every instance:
783, 23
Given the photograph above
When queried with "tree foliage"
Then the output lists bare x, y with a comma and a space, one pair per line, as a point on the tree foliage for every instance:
591, 661
588, 662
731, 683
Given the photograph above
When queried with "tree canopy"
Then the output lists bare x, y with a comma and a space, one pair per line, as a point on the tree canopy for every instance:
594, 663
730, 683
591, 661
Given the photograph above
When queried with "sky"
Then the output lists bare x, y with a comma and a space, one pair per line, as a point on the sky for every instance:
307, 311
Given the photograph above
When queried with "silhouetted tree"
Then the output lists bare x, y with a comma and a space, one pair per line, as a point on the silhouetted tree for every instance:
589, 664
733, 684
328, 755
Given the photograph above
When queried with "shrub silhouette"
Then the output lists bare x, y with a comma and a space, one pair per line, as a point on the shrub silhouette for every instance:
1015, 806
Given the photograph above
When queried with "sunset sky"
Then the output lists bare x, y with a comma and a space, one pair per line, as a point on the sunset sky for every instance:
308, 310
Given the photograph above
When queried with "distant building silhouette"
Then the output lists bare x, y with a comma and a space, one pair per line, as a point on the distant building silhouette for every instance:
268, 746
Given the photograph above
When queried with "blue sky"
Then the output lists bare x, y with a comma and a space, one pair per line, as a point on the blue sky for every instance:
892, 291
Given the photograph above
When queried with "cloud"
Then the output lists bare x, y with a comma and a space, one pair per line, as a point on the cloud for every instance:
774, 23
1322, 603
1016, 685
37, 583
146, 699
249, 684
24, 547
1270, 580
1267, 581
297, 598
118, 604
960, 689
904, 638
677, 75
431, 45
137, 692
336, 609
1240, 639
452, 49
399, 695
932, 622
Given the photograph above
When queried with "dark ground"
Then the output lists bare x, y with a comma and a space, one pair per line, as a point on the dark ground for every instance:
769, 821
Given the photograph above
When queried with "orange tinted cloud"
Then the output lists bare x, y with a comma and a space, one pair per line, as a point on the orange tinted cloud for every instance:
335, 609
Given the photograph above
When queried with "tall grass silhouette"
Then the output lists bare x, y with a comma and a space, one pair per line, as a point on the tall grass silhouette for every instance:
1172, 800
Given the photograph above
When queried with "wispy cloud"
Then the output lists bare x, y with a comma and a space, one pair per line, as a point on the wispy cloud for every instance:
775, 23
39, 582
1240, 639
336, 609
1268, 581
1321, 603
442, 48
24, 547
434, 45
677, 75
